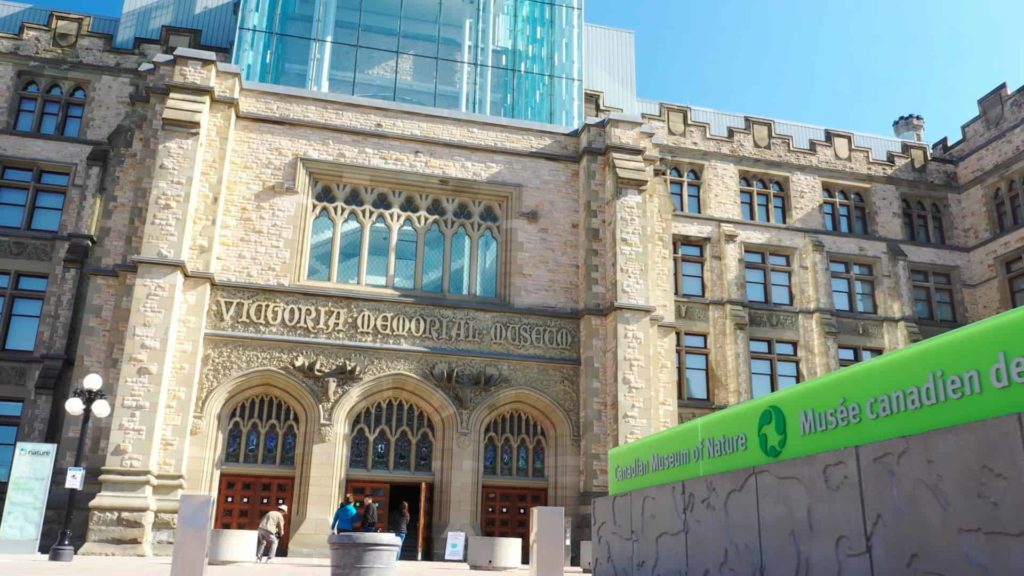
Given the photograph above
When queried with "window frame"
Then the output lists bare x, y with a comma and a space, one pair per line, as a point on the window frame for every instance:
1013, 270
64, 102
854, 200
32, 189
750, 187
15, 422
10, 295
399, 188
853, 277
1008, 206
774, 357
932, 287
858, 354
917, 211
768, 267
683, 350
685, 176
678, 259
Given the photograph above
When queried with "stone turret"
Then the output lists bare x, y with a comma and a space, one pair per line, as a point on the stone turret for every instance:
909, 127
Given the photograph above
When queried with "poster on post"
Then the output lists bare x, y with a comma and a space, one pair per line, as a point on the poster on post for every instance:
27, 491
455, 546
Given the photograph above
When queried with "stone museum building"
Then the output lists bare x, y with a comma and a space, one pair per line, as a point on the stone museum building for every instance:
434, 251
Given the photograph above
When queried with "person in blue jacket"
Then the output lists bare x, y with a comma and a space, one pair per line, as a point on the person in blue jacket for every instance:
344, 516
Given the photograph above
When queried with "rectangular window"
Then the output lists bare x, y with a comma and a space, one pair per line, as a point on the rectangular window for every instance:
1015, 276
853, 287
774, 366
684, 190
844, 211
32, 198
689, 265
933, 295
22, 306
692, 366
762, 200
768, 277
10, 415
849, 355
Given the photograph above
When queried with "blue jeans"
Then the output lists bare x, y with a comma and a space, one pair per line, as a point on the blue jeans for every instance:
401, 537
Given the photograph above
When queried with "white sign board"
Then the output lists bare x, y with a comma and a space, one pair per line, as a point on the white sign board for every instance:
27, 491
75, 479
192, 536
455, 546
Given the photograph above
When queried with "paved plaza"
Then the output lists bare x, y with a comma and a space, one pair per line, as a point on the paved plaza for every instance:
106, 566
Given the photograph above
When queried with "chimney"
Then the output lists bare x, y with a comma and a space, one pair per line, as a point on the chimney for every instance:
909, 127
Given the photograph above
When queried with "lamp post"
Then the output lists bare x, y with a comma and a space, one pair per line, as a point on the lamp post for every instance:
84, 401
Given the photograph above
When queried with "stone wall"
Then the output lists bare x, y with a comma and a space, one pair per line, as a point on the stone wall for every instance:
945, 502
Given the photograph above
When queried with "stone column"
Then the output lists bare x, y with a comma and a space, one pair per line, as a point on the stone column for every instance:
143, 471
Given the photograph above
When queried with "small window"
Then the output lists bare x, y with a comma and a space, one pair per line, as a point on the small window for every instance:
689, 266
22, 306
53, 112
32, 198
1015, 277
933, 295
684, 190
844, 212
10, 418
692, 380
1009, 207
850, 355
922, 222
768, 278
774, 366
853, 287
762, 200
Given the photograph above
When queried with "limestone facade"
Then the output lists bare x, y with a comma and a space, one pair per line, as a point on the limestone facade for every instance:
193, 271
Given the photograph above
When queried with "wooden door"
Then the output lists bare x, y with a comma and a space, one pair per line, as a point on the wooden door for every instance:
243, 500
380, 493
424, 534
506, 513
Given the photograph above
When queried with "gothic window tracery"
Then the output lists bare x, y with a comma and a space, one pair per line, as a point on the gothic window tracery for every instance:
262, 431
402, 438
514, 447
420, 242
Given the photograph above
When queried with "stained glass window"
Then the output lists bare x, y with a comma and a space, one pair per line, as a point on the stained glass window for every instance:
252, 444
262, 418
514, 446
234, 448
506, 458
392, 424
381, 451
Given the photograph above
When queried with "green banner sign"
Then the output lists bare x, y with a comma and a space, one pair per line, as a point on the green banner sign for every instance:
973, 373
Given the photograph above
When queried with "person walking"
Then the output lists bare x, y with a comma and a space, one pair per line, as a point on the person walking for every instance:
344, 516
270, 532
400, 525
369, 523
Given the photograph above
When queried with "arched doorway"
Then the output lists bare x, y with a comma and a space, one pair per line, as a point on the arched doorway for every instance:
392, 444
515, 475
258, 460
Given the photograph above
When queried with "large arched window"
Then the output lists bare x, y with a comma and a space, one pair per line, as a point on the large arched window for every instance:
392, 436
262, 431
515, 446
55, 110
405, 241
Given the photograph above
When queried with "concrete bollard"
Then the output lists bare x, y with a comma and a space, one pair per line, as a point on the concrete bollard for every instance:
363, 553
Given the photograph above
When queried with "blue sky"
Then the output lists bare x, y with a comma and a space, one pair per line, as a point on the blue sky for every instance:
845, 64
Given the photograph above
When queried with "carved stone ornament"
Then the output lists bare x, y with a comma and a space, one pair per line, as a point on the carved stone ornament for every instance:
762, 134
676, 122
691, 311
26, 249
841, 144
860, 328
765, 319
468, 382
65, 32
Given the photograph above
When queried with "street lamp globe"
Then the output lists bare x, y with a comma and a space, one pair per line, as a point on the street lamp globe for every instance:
74, 406
101, 408
92, 382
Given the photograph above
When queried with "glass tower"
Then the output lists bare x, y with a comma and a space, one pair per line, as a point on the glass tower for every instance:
510, 58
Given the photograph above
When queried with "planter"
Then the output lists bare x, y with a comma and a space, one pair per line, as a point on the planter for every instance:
230, 546
363, 553
487, 553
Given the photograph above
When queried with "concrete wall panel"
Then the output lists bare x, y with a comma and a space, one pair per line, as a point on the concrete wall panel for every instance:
722, 524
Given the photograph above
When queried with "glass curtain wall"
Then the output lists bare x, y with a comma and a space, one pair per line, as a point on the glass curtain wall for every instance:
510, 58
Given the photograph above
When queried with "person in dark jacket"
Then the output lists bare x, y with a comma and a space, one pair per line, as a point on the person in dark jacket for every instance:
345, 516
369, 523
400, 524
